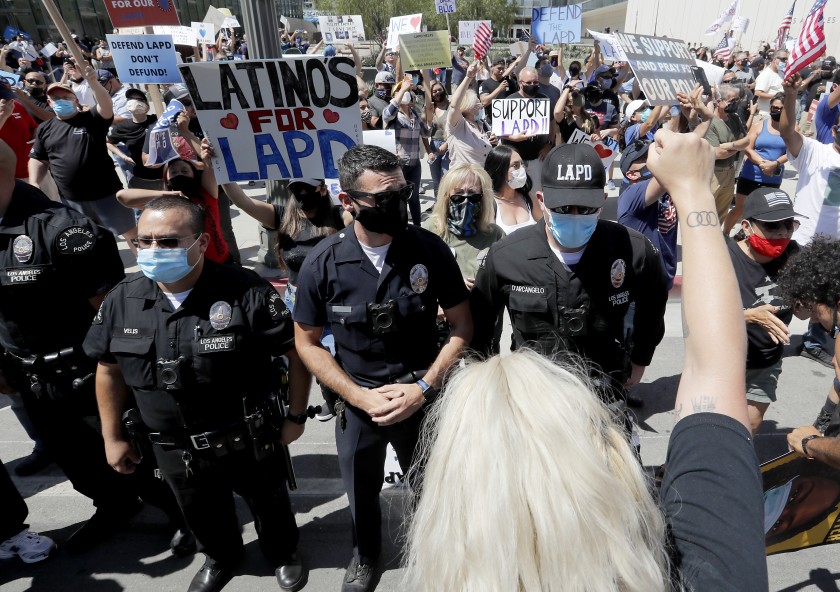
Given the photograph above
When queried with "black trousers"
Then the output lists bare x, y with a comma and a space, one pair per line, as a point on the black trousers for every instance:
13, 510
206, 500
361, 457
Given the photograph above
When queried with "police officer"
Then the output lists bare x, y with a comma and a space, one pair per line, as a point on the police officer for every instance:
194, 341
56, 266
568, 281
379, 283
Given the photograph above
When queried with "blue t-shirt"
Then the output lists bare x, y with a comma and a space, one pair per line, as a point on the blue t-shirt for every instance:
826, 119
632, 132
658, 222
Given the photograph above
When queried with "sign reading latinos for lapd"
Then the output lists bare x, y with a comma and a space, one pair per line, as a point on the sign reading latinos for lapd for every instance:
342, 29
521, 116
141, 13
276, 119
466, 31
661, 65
556, 24
400, 25
445, 6
180, 35
419, 51
144, 59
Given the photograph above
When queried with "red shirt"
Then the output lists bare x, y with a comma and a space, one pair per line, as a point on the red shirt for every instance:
218, 249
18, 132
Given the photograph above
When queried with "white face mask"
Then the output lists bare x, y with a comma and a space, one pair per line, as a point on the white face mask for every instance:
136, 107
518, 177
407, 99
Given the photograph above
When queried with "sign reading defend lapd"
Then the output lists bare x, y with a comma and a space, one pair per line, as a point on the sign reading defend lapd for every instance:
661, 65
141, 13
145, 59
521, 116
276, 119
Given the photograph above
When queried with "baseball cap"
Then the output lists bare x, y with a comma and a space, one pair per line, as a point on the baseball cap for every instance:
384, 77
759, 61
768, 204
58, 86
632, 107
136, 93
829, 63
573, 175
103, 76
633, 152
176, 91
602, 70
304, 181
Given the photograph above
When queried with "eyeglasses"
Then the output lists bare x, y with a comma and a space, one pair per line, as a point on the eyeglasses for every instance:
529, 84
579, 210
384, 197
730, 101
473, 198
730, 81
790, 225
171, 242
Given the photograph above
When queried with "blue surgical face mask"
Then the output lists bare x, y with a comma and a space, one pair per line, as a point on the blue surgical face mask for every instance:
165, 265
64, 107
645, 115
572, 230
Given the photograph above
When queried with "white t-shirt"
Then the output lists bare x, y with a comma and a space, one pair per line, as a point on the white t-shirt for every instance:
767, 81
817, 191
176, 299
568, 259
84, 93
376, 254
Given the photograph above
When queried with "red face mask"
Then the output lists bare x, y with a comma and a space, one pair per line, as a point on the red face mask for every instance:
768, 247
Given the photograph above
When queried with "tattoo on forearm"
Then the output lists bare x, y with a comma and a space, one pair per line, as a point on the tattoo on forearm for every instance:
704, 403
704, 218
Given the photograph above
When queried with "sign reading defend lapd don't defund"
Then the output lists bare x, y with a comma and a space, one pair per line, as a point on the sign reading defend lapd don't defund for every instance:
276, 119
145, 59
662, 66
513, 116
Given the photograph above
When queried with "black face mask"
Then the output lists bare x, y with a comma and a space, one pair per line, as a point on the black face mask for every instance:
776, 115
530, 91
389, 218
594, 97
462, 218
37, 91
308, 201
184, 184
574, 72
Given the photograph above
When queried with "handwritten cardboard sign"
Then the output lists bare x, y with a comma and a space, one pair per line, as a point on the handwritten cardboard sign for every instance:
180, 35
342, 29
204, 32
513, 116
400, 25
466, 31
424, 50
557, 24
445, 6
607, 148
277, 119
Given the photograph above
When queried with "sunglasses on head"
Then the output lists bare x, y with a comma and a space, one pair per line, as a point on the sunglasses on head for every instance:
579, 210
170, 242
790, 225
384, 197
473, 198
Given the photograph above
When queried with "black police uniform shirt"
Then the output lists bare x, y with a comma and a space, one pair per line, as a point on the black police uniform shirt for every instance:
79, 160
294, 249
226, 331
337, 283
54, 260
619, 266
133, 135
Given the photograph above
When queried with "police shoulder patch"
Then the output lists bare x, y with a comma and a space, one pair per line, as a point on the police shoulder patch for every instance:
75, 240
97, 320
276, 309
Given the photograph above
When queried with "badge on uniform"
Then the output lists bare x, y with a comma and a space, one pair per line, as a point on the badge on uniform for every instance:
617, 272
419, 278
23, 248
220, 314
75, 240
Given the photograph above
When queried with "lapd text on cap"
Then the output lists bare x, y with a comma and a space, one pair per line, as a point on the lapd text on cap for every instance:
574, 171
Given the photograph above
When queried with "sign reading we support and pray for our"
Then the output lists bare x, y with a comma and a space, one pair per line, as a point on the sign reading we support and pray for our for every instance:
513, 116
144, 59
661, 65
466, 31
556, 24
419, 51
276, 119
341, 29
141, 13
445, 6
400, 25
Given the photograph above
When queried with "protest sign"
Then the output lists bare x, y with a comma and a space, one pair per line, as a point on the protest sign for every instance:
609, 46
230, 22
382, 138
293, 24
276, 119
9, 77
607, 148
341, 29
400, 25
141, 13
556, 24
419, 51
466, 31
215, 17
714, 74
180, 35
513, 116
131, 31
48, 50
740, 24
204, 32
444, 6
144, 59
661, 65
10, 32
161, 147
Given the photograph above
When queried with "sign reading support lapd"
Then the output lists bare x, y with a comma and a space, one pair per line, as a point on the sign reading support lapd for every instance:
661, 65
145, 59
400, 25
466, 31
419, 51
521, 116
445, 6
556, 24
277, 119
141, 13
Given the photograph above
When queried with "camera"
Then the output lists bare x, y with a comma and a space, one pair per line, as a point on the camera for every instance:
384, 318
573, 322
169, 373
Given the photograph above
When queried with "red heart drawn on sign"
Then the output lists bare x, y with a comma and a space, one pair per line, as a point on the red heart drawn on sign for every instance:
415, 22
330, 116
231, 121
603, 151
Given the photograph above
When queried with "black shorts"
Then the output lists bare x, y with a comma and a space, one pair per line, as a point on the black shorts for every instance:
746, 186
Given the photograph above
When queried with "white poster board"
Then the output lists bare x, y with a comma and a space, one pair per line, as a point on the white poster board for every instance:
466, 31
399, 25
342, 29
512, 116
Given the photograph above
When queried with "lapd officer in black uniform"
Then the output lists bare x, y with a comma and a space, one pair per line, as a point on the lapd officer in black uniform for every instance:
56, 266
567, 282
378, 283
194, 341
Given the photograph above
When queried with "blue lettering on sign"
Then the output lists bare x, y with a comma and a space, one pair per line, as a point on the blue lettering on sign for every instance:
230, 163
325, 139
295, 155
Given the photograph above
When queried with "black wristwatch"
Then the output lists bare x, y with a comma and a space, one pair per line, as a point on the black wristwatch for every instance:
426, 389
805, 445
298, 419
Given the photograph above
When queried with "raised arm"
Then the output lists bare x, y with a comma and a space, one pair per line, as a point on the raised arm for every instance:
259, 210
104, 105
453, 114
793, 139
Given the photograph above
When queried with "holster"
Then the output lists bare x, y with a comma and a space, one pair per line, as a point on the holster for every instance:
137, 432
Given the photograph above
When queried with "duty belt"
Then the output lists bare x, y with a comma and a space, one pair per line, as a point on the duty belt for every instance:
229, 439
63, 365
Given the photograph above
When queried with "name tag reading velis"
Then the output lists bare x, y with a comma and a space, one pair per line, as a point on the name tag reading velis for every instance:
217, 343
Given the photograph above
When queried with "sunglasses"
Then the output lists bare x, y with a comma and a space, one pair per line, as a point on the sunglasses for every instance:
776, 109
383, 197
473, 198
579, 210
163, 243
529, 84
34, 81
790, 225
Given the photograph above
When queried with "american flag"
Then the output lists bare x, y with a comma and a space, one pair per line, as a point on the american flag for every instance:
785, 26
525, 36
481, 41
724, 49
811, 42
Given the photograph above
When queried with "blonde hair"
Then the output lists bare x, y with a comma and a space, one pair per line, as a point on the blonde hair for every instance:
468, 100
530, 485
454, 178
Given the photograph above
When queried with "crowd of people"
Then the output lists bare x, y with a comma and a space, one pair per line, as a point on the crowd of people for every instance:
399, 316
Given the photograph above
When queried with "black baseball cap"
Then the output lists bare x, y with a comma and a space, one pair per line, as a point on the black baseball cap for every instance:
633, 152
768, 204
176, 91
136, 93
573, 175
